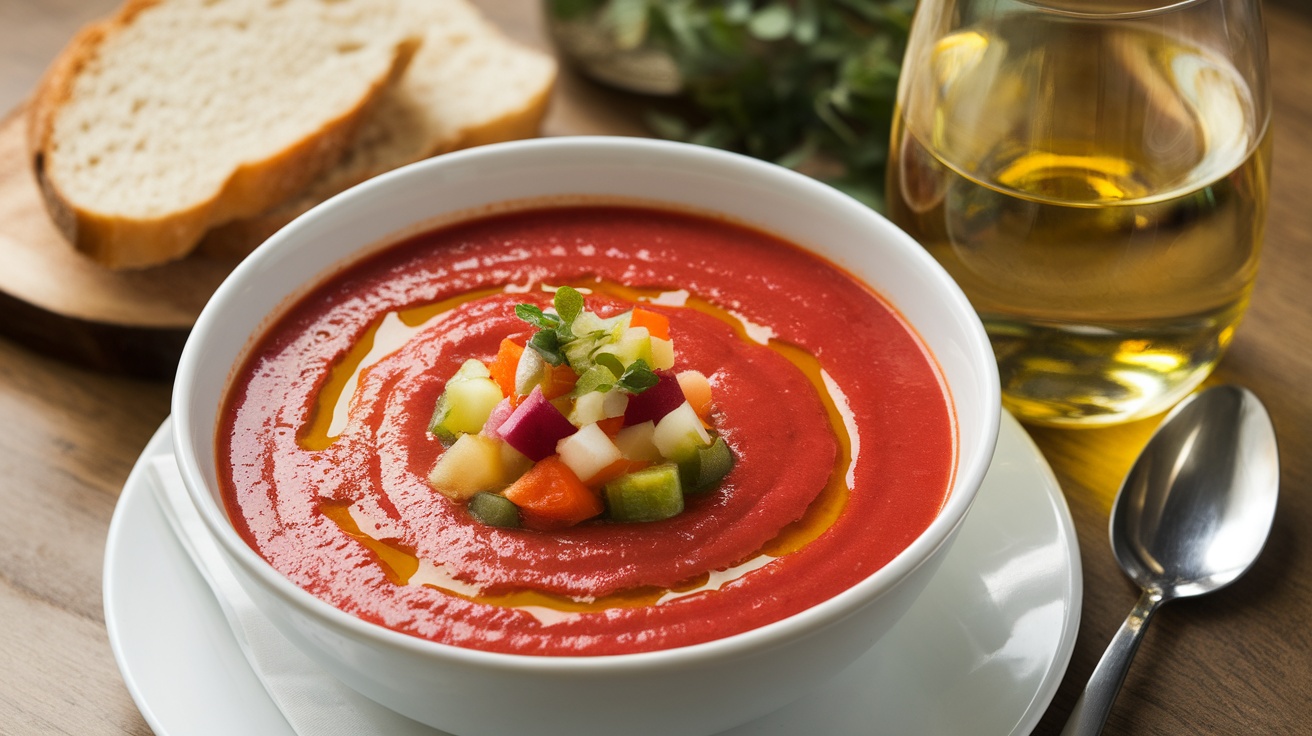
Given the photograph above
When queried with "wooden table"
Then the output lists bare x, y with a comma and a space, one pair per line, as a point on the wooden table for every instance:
1239, 661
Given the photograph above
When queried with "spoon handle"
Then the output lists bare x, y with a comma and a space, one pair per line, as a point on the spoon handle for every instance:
1095, 703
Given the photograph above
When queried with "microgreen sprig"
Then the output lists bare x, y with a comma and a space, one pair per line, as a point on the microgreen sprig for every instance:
556, 342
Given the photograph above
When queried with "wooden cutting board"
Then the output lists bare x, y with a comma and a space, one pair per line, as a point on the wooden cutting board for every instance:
60, 303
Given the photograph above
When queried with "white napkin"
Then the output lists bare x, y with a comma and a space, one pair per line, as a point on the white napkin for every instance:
312, 701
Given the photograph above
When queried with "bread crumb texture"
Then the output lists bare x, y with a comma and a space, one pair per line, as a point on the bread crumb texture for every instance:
168, 106
467, 85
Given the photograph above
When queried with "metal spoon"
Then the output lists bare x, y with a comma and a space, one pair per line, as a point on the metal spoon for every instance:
1191, 517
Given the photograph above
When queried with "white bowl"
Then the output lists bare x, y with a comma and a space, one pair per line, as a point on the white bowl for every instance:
698, 689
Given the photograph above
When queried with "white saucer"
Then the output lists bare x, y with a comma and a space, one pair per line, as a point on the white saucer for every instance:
982, 651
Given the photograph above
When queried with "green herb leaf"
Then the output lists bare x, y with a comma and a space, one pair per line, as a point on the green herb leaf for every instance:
547, 344
568, 303
638, 377
536, 317
611, 362
596, 378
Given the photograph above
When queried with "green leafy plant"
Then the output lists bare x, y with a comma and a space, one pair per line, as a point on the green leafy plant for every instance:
809, 84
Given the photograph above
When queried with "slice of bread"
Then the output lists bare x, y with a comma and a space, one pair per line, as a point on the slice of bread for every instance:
468, 85
174, 116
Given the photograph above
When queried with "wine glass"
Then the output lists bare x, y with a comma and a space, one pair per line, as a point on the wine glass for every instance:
1094, 174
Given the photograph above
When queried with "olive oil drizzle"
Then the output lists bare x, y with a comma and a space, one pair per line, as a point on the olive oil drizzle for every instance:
334, 397
402, 567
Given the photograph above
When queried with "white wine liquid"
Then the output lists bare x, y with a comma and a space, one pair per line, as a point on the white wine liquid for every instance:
1099, 193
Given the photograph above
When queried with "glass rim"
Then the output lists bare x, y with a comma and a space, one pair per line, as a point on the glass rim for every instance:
1124, 10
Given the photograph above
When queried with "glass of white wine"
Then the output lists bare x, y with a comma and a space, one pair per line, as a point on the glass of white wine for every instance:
1094, 174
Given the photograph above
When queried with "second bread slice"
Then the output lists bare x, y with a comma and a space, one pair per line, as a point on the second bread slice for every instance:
468, 85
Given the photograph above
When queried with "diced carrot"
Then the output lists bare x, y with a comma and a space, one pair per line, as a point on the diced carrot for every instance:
697, 390
503, 366
550, 496
657, 324
611, 426
558, 381
623, 466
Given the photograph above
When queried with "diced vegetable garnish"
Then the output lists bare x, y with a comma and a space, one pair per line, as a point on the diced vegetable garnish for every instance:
500, 413
595, 406
585, 418
588, 451
662, 354
636, 442
473, 463
584, 341
465, 403
697, 391
535, 427
647, 495
654, 403
706, 467
550, 496
494, 510
620, 467
680, 434
657, 324
502, 368
558, 380
513, 463
634, 344
529, 371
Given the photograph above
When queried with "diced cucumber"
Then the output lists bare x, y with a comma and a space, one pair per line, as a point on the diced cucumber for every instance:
465, 404
595, 406
588, 324
650, 494
706, 467
494, 510
633, 344
472, 464
591, 333
680, 434
588, 451
635, 443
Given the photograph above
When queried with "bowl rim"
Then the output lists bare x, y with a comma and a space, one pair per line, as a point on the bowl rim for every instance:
971, 463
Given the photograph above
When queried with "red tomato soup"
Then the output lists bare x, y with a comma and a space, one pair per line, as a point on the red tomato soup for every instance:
835, 412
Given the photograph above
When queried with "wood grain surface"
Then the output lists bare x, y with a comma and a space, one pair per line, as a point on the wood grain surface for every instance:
1236, 662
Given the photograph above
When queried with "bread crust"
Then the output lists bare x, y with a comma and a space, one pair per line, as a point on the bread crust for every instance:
254, 187
237, 238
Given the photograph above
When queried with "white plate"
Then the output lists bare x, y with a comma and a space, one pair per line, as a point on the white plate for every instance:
982, 651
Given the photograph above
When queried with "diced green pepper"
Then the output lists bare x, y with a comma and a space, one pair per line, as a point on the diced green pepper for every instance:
650, 494
494, 510
704, 469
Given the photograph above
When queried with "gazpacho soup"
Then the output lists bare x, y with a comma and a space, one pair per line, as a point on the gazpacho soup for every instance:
585, 430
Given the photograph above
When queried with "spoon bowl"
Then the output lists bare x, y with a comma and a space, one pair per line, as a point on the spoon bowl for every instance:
1192, 516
